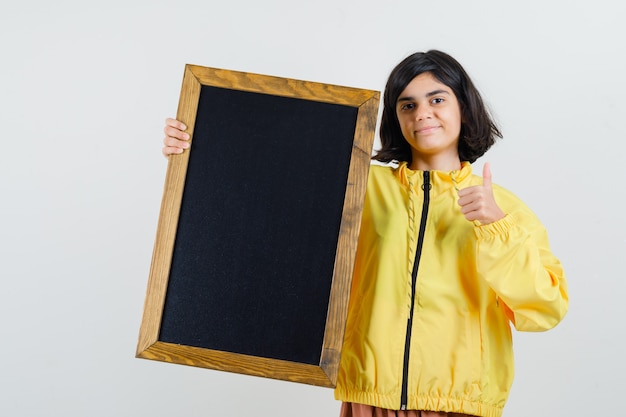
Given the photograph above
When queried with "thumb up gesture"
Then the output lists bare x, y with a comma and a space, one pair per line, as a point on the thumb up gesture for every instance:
478, 203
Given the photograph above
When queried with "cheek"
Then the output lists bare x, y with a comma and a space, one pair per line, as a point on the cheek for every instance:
405, 126
459, 117
407, 132
455, 122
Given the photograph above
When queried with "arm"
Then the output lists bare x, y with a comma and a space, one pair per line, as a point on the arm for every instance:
514, 258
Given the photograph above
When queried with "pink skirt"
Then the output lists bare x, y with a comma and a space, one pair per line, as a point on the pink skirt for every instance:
360, 410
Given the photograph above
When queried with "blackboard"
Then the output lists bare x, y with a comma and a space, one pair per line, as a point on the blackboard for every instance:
253, 259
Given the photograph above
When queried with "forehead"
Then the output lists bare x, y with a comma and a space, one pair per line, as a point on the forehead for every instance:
424, 85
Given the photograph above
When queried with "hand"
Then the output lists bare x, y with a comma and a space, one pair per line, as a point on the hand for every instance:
478, 203
176, 140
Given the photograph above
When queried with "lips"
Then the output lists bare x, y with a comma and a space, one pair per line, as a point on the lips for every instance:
426, 129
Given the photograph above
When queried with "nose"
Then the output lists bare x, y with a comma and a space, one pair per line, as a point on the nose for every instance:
423, 112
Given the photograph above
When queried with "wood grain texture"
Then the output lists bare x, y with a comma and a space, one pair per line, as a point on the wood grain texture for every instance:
168, 219
149, 346
284, 87
348, 237
238, 363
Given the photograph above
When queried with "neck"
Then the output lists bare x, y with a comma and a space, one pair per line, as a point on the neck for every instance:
435, 163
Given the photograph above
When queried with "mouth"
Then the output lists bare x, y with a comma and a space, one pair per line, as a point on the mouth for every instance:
426, 130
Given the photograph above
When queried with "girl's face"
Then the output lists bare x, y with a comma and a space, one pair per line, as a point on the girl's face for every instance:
430, 119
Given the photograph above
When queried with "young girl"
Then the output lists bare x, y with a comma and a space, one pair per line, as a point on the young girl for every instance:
446, 260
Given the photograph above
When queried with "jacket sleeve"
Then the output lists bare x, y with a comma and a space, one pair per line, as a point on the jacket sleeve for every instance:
514, 258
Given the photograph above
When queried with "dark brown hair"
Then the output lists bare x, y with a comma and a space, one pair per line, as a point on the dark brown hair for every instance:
478, 130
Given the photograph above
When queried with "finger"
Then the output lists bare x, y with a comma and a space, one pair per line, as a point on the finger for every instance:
171, 142
168, 150
175, 129
175, 123
486, 175
466, 198
474, 204
175, 133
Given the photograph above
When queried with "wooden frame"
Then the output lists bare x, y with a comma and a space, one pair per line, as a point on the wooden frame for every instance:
324, 372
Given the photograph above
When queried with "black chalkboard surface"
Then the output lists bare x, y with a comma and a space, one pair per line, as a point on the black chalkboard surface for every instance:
253, 260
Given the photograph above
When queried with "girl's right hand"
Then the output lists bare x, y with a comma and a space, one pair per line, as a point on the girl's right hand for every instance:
176, 140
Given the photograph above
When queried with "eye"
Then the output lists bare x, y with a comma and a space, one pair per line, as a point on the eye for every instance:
437, 100
407, 106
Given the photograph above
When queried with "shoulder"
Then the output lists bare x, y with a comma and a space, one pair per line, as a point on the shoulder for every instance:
510, 203
382, 181
506, 197
387, 175
380, 172
382, 168
504, 193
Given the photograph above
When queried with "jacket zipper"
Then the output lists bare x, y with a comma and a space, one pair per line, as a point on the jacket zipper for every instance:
409, 326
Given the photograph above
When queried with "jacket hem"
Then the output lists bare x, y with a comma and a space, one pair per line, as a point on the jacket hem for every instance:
424, 402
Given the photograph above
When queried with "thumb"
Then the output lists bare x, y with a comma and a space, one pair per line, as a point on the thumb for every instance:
486, 175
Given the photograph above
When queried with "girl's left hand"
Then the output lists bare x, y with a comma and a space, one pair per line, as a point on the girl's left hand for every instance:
478, 203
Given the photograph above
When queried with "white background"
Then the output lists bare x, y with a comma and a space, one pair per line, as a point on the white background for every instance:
84, 91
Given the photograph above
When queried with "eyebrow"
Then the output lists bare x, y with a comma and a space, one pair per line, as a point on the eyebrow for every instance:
430, 94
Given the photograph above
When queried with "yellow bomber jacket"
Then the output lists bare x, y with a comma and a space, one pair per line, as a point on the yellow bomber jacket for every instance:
473, 281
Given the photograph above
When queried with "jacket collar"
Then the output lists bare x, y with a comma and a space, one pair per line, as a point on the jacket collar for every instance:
440, 179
